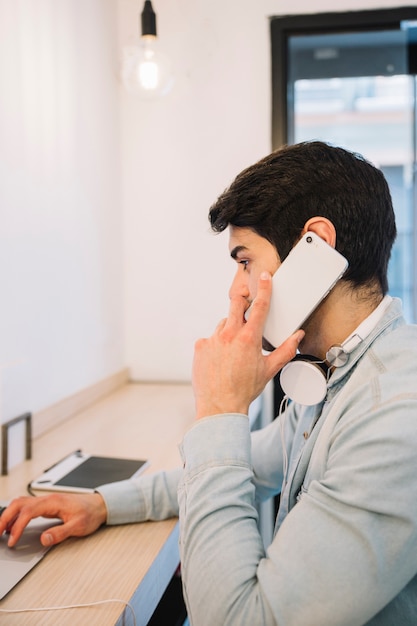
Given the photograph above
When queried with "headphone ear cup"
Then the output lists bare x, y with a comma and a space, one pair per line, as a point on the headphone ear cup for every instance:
304, 381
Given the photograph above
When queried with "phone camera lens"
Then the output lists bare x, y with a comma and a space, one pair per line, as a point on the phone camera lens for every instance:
309, 239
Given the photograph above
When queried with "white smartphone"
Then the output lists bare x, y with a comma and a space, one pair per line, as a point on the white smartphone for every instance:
303, 280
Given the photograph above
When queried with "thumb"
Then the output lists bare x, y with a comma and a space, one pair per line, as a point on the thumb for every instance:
285, 352
55, 535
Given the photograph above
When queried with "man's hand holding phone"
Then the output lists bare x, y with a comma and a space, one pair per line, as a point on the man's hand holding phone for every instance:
229, 369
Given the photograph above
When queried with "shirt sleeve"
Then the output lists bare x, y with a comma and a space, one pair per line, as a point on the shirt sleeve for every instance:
220, 544
148, 497
267, 458
343, 552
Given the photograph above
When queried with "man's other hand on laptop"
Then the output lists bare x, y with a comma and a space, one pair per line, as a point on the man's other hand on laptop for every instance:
81, 515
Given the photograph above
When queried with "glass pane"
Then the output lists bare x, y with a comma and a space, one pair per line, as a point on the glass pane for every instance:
373, 115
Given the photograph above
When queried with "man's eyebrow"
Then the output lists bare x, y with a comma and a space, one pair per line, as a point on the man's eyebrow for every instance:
234, 253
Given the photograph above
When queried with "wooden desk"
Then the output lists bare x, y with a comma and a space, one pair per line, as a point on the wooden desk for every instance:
133, 562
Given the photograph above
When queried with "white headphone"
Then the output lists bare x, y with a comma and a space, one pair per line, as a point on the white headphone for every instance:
304, 379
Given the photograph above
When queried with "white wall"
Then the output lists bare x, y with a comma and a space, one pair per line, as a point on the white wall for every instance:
60, 200
106, 255
179, 154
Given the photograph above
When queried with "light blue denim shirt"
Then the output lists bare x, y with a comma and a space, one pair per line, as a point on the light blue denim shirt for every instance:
345, 547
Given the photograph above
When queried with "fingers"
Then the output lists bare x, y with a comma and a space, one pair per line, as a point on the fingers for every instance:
284, 353
81, 515
229, 368
20, 512
259, 307
221, 325
56, 534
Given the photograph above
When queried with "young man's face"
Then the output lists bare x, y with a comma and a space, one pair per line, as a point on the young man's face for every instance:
253, 254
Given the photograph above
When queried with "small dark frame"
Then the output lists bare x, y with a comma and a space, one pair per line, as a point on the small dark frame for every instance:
27, 418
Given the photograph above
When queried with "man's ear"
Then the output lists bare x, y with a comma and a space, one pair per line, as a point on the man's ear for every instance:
323, 227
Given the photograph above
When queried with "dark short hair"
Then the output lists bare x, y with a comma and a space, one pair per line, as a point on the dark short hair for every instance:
277, 195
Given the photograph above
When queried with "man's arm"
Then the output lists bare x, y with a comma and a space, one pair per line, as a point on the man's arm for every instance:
343, 552
346, 549
151, 496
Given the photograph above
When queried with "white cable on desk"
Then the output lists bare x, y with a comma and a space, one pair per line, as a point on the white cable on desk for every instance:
72, 606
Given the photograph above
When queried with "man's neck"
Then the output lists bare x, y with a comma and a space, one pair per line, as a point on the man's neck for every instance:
336, 318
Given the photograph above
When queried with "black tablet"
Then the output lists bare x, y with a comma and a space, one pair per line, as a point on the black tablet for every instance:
81, 472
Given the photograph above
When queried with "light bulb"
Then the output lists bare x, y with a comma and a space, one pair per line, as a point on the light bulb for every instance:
146, 71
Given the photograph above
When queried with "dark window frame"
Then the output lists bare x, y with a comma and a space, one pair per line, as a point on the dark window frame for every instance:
282, 28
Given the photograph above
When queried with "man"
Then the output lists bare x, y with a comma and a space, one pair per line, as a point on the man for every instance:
345, 546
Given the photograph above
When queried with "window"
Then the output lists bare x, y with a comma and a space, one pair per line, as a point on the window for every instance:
350, 79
